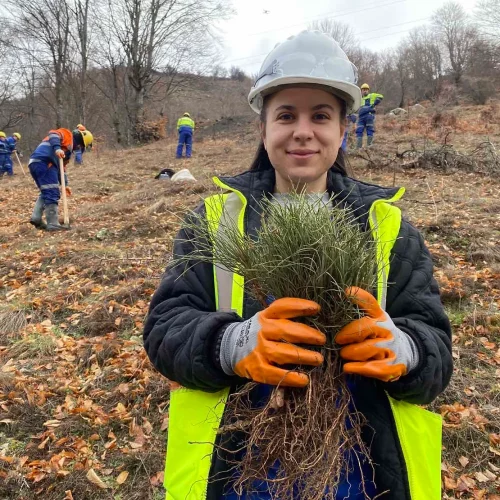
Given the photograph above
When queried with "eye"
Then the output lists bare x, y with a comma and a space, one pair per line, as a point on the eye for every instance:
321, 116
285, 117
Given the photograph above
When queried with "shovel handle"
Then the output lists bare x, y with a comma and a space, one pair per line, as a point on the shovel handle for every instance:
63, 192
20, 164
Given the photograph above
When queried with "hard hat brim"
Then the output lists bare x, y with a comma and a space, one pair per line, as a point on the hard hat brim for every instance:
349, 92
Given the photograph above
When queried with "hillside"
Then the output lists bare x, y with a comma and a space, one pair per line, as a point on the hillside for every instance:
83, 415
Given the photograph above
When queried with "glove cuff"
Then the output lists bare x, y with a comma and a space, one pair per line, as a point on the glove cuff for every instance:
226, 345
414, 357
216, 347
238, 342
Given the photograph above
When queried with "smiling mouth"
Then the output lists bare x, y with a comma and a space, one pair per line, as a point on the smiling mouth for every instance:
302, 154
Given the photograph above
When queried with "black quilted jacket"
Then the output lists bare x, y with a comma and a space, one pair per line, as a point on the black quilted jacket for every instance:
182, 327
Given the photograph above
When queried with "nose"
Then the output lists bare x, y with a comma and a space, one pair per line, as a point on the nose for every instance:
303, 129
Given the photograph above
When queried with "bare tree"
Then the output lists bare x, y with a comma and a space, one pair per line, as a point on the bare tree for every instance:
487, 15
339, 31
161, 34
236, 73
367, 63
424, 63
383, 75
10, 115
484, 60
457, 35
80, 10
31, 86
48, 22
401, 64
111, 79
219, 71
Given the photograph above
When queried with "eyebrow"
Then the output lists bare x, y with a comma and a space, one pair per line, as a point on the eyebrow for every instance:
315, 108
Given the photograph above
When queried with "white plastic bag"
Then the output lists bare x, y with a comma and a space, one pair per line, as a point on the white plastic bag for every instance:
183, 175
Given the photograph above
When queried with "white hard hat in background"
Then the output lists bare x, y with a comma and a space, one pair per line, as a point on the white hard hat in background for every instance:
311, 57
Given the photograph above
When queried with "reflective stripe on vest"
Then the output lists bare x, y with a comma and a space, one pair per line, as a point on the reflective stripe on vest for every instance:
195, 416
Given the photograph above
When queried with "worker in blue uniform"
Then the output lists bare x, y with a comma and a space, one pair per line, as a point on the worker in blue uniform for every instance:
185, 127
366, 115
7, 148
12, 146
4, 153
44, 168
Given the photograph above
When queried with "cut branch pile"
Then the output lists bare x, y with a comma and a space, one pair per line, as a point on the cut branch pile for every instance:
483, 158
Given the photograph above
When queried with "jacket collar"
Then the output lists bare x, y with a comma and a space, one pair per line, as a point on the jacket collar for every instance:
254, 184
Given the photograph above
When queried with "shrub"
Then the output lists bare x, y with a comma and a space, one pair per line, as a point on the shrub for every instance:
478, 90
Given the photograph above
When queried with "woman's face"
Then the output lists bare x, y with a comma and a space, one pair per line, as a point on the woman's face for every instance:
302, 134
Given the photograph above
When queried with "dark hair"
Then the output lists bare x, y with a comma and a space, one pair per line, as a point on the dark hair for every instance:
261, 159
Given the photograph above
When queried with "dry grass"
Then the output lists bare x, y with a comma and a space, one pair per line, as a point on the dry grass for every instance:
11, 322
159, 207
474, 386
34, 346
7, 381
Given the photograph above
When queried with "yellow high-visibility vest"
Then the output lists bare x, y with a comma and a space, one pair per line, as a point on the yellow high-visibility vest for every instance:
185, 121
369, 99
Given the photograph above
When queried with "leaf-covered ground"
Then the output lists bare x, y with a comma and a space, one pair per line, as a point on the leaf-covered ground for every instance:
82, 413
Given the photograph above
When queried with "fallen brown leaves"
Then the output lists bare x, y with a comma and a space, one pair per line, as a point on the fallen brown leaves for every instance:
82, 413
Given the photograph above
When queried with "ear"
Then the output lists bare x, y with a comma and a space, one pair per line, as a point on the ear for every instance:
343, 125
262, 130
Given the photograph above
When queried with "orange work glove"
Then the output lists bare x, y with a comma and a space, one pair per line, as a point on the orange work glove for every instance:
69, 191
254, 347
375, 346
60, 153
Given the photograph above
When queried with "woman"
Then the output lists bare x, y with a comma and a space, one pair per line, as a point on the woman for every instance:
206, 334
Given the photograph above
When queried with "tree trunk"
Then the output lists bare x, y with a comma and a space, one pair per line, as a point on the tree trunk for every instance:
82, 16
59, 102
116, 126
83, 102
138, 115
116, 116
403, 95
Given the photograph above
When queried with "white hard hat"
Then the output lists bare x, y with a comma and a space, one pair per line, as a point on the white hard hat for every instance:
309, 57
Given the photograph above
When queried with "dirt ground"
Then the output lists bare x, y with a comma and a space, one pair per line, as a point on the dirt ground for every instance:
83, 414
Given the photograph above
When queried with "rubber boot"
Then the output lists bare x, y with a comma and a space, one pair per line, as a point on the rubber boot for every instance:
36, 216
52, 215
359, 143
370, 140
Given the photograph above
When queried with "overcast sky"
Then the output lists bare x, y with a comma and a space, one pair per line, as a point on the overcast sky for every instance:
251, 33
